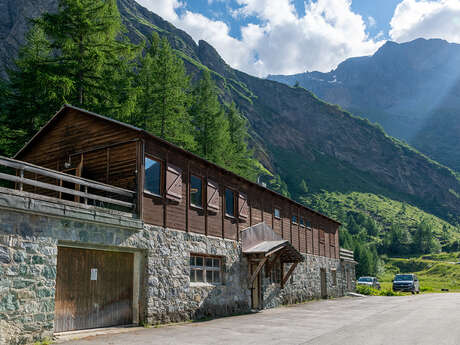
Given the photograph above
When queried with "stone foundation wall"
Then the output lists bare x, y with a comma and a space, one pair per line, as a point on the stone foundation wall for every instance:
28, 255
304, 283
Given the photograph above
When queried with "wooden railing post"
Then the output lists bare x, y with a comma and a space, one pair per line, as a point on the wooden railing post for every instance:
86, 195
21, 175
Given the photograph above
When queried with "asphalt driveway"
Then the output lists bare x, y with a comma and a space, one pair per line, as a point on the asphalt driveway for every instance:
431, 319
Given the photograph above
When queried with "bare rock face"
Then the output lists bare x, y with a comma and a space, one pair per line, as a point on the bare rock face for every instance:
14, 23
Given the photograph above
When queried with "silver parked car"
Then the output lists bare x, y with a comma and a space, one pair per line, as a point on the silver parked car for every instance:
406, 282
369, 281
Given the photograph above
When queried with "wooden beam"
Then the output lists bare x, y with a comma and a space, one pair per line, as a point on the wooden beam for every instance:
271, 263
11, 163
64, 190
288, 274
256, 272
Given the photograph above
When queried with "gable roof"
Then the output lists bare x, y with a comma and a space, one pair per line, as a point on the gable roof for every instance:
66, 107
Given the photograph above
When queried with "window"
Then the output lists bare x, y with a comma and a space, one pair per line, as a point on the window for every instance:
152, 176
334, 277
229, 203
196, 191
277, 213
302, 223
294, 219
205, 269
308, 223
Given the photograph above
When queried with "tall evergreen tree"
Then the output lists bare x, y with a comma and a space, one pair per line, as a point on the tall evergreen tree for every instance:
163, 98
35, 87
239, 157
90, 54
210, 123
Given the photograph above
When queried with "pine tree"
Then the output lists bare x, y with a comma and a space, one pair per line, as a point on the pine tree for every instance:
35, 87
164, 95
89, 53
210, 123
239, 158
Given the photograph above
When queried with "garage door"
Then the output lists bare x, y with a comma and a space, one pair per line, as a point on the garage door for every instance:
94, 288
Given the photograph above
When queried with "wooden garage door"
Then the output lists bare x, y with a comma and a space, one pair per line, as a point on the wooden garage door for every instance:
94, 288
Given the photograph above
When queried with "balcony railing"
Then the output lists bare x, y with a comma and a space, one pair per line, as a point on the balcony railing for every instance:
346, 254
34, 179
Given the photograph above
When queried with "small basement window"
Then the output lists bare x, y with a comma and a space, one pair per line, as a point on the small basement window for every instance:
277, 213
152, 176
229, 203
334, 277
205, 269
196, 191
294, 219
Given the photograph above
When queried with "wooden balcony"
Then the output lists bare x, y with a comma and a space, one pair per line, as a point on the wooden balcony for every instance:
347, 255
49, 185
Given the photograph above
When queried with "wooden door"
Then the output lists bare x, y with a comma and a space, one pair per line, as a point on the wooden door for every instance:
255, 289
323, 283
94, 288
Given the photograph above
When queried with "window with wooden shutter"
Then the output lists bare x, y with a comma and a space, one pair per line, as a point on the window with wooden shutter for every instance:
243, 207
321, 236
173, 183
213, 196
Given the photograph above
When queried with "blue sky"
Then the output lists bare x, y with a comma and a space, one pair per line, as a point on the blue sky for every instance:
381, 11
263, 37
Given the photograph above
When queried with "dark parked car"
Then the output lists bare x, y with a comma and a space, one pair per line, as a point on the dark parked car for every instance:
406, 282
369, 281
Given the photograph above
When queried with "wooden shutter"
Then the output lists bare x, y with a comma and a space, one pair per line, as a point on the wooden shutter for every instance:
213, 196
243, 207
173, 183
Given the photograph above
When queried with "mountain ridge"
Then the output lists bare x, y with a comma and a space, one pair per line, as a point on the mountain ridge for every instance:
412, 89
301, 138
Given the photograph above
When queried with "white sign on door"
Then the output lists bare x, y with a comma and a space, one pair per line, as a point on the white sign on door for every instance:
93, 273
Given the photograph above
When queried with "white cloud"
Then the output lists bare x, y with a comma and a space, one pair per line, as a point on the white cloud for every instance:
426, 18
371, 21
284, 42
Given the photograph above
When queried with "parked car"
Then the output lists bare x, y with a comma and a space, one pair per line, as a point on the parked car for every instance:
369, 281
406, 282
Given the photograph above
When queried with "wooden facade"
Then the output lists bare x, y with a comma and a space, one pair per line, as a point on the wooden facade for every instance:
101, 149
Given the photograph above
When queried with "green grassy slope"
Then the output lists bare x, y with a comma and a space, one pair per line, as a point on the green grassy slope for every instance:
435, 272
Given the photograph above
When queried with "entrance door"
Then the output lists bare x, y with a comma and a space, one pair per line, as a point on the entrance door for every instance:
255, 289
323, 283
94, 288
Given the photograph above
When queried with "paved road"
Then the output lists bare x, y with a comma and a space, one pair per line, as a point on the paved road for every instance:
431, 319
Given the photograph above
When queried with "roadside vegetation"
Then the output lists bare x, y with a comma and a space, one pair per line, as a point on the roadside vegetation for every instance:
435, 271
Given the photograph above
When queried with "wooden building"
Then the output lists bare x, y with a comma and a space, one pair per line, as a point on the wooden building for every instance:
240, 235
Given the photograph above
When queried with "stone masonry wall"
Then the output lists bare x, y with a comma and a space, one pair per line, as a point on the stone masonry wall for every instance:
304, 283
28, 256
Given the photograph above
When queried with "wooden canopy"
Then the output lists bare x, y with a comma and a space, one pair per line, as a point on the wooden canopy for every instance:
262, 243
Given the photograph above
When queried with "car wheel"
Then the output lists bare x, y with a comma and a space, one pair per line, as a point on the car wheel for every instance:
413, 292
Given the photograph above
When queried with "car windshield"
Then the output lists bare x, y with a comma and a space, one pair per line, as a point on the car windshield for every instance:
403, 277
365, 279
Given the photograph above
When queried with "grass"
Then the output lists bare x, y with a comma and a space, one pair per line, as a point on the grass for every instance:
435, 272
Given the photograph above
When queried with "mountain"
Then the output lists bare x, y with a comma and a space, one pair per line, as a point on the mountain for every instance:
296, 135
412, 89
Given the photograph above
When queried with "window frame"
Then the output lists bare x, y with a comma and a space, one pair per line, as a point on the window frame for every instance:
204, 268
203, 203
279, 213
162, 174
235, 202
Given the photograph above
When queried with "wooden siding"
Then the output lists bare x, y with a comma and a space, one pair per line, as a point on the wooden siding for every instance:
109, 152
